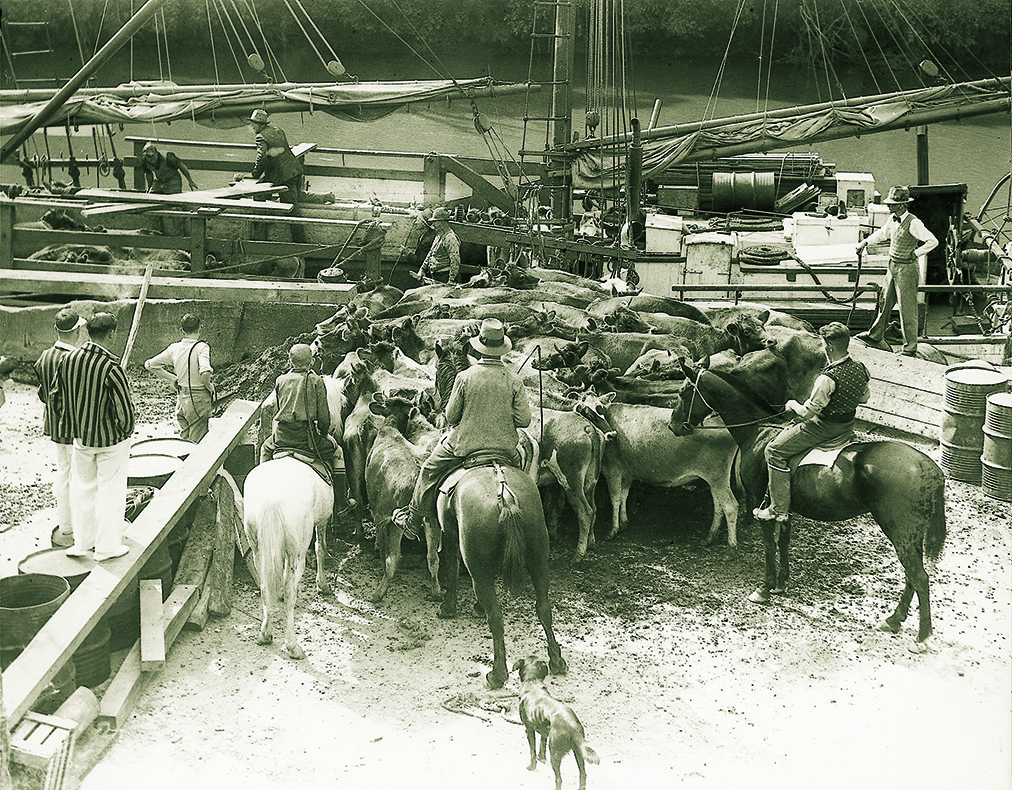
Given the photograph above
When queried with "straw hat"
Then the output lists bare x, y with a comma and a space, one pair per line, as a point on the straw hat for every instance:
898, 195
491, 339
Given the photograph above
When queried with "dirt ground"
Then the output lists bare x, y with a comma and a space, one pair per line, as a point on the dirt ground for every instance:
679, 681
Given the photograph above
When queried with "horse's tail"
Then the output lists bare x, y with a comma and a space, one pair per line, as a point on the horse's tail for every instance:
934, 535
511, 520
270, 529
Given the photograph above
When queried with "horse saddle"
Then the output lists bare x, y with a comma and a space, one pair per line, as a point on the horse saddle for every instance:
824, 454
527, 449
318, 466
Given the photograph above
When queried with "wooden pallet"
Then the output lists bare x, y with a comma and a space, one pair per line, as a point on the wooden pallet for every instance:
46, 744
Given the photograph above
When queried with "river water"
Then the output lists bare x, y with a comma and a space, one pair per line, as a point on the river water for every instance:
977, 151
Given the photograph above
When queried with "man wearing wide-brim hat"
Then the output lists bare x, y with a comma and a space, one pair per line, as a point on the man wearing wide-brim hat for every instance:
487, 405
443, 258
68, 335
908, 240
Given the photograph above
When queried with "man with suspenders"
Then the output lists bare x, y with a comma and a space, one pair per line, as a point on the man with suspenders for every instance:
187, 365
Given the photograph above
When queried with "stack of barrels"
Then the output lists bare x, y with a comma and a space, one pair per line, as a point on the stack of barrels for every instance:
976, 431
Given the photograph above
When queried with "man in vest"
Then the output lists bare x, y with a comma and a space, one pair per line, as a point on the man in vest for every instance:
487, 404
302, 422
275, 160
908, 239
828, 413
444, 255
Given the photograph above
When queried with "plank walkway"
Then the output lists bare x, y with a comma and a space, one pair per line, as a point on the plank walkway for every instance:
56, 642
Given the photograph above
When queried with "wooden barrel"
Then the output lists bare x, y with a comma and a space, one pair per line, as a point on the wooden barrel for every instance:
151, 470
996, 457
27, 601
962, 430
736, 191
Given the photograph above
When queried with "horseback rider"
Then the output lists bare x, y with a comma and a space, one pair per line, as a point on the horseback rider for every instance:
302, 423
827, 414
487, 404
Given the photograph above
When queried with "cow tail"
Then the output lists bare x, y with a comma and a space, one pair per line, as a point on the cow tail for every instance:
511, 520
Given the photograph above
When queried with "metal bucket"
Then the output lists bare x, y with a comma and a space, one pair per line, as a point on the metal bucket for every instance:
996, 457
27, 601
735, 191
962, 434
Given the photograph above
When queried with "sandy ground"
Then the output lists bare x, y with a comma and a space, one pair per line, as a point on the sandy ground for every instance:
678, 680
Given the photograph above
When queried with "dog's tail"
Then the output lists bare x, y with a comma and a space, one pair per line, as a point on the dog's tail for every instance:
590, 755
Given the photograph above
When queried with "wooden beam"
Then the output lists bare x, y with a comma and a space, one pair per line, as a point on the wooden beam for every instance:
241, 539
67, 629
152, 629
127, 285
126, 687
501, 237
184, 199
6, 233
905, 392
480, 187
219, 577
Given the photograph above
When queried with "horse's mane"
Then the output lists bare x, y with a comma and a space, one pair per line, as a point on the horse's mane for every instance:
746, 390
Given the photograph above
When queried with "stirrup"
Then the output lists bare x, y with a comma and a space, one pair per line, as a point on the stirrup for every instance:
769, 514
401, 518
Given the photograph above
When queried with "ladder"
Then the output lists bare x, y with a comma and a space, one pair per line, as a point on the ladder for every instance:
553, 22
37, 31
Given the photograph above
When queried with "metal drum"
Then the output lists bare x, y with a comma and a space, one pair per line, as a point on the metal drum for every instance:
27, 601
167, 445
996, 458
962, 430
735, 191
151, 470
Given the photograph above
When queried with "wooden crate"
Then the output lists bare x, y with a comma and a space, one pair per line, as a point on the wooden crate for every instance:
45, 744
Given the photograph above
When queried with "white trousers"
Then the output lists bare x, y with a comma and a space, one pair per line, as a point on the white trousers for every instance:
98, 487
61, 486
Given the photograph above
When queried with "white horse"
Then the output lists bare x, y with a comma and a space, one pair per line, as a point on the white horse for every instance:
284, 501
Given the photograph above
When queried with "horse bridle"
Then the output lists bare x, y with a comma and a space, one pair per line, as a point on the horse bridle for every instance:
689, 427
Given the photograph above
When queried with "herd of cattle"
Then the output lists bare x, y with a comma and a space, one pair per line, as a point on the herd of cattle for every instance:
601, 371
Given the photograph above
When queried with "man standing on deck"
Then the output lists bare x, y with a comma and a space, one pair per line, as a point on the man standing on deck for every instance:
68, 334
275, 160
444, 255
908, 240
94, 406
186, 364
164, 172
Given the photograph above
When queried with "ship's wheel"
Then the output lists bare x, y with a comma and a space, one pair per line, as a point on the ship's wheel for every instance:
984, 256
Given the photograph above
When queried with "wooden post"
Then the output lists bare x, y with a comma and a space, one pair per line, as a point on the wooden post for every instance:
135, 324
922, 156
196, 558
139, 183
433, 181
152, 628
7, 234
219, 578
197, 228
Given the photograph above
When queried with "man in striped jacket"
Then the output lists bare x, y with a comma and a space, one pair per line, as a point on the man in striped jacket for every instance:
95, 408
68, 334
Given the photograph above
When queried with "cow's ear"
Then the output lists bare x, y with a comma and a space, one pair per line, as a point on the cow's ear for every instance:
608, 398
764, 316
592, 323
582, 347
378, 405
613, 373
733, 329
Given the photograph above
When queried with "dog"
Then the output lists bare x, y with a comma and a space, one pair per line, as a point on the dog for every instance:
542, 713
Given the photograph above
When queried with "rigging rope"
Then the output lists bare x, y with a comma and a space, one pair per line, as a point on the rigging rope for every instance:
77, 33
210, 31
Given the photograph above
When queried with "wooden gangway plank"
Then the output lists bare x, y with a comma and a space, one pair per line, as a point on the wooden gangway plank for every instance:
126, 285
64, 632
906, 393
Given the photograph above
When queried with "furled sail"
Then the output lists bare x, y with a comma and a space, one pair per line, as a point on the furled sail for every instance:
230, 105
603, 159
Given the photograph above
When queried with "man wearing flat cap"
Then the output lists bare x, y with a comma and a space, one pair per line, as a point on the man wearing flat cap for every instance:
302, 422
487, 404
908, 240
68, 334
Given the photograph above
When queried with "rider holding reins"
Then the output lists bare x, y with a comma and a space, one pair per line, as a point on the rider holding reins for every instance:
828, 413
487, 405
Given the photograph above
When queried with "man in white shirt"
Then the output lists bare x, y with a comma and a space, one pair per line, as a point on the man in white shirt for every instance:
187, 365
908, 240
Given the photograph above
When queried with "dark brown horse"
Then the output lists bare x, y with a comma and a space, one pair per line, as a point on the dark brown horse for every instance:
494, 520
902, 489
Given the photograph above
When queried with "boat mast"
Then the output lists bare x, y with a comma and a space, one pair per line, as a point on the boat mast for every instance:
122, 36
561, 111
